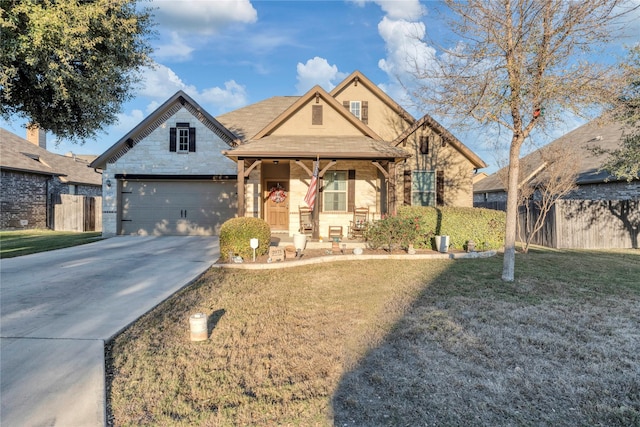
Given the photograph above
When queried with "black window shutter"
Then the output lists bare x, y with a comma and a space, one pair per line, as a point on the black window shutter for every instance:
365, 112
192, 140
440, 188
172, 139
351, 191
407, 187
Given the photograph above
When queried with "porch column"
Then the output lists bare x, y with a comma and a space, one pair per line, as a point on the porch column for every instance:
392, 188
316, 209
240, 185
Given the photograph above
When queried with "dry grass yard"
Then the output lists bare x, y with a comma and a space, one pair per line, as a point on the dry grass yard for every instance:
392, 343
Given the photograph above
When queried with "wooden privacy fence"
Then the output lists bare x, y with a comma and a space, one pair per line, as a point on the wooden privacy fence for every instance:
583, 224
77, 213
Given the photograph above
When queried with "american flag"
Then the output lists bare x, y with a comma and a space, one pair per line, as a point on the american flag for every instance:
310, 198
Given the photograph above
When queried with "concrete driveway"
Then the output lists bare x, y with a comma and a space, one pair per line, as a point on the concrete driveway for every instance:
58, 308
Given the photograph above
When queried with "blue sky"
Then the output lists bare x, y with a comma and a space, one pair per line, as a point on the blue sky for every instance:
230, 53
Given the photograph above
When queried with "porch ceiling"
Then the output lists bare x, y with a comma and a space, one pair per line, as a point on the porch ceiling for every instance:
326, 147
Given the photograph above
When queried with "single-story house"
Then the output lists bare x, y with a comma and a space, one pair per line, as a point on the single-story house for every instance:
182, 171
33, 180
601, 205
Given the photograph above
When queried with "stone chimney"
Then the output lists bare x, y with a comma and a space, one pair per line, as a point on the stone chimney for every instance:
36, 136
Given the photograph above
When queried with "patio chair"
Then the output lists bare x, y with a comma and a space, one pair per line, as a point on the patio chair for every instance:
306, 221
335, 231
358, 225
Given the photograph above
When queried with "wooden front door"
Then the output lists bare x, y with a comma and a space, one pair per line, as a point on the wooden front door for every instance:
277, 206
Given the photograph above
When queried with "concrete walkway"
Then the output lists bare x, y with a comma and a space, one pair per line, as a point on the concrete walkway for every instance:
58, 308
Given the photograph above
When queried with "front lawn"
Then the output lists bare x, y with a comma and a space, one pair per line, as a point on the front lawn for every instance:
388, 343
25, 242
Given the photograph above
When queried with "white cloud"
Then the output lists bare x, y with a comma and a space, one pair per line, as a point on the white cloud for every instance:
176, 49
203, 16
183, 25
404, 46
406, 53
403, 34
231, 97
398, 9
161, 82
317, 71
127, 121
409, 9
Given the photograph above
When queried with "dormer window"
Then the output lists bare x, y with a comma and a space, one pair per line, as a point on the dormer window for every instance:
182, 138
360, 109
355, 108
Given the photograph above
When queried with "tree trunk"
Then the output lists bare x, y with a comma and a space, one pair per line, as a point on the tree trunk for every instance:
509, 264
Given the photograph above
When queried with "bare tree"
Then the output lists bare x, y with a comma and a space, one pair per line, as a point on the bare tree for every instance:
520, 65
556, 180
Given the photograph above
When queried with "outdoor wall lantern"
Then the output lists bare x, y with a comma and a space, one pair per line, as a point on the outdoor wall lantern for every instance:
108, 182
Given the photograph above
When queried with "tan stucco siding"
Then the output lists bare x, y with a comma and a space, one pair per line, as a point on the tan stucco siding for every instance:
333, 123
382, 119
458, 170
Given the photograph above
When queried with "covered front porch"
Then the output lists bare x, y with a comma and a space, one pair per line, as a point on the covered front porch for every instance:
352, 173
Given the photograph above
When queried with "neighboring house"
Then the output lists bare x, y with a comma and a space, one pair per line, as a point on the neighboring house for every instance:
33, 180
602, 212
181, 171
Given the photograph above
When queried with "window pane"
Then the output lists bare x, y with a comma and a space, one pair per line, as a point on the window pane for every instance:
335, 191
423, 188
355, 108
336, 181
335, 202
422, 199
183, 139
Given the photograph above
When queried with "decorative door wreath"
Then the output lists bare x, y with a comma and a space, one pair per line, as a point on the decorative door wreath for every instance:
277, 194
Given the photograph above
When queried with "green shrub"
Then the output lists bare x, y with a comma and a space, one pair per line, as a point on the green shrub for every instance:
420, 224
392, 232
485, 227
236, 233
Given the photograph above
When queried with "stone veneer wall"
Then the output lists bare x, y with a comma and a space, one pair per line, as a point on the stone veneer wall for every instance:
367, 195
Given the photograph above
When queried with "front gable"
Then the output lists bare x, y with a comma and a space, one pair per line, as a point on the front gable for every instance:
316, 113
182, 144
155, 141
377, 109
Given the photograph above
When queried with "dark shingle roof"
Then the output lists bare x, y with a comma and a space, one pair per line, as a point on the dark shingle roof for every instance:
580, 142
18, 154
246, 122
339, 147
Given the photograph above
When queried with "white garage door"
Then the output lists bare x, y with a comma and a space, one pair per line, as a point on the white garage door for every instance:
184, 208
